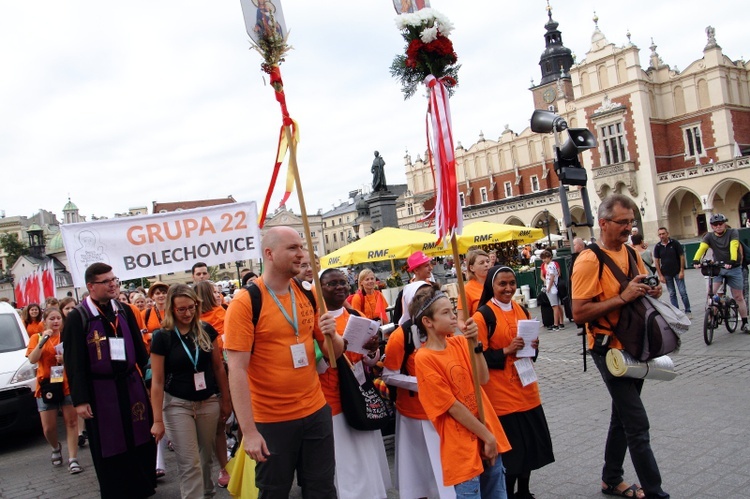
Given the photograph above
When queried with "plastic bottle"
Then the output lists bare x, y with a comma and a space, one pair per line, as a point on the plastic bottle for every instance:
716, 299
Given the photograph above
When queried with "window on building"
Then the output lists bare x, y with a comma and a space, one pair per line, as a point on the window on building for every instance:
339, 220
326, 238
483, 194
508, 190
613, 142
324, 224
333, 223
334, 237
693, 141
461, 199
312, 233
534, 183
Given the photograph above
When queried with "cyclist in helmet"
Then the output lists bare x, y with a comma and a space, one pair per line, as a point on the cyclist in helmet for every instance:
725, 243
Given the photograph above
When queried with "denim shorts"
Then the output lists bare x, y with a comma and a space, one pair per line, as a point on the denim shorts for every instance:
42, 406
733, 277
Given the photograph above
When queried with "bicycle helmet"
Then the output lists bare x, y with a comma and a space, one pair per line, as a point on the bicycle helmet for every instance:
717, 217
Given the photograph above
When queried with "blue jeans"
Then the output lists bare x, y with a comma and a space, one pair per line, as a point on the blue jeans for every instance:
671, 280
628, 430
491, 483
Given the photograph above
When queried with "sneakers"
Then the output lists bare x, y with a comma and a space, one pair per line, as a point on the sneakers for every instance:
745, 328
81, 441
689, 315
223, 479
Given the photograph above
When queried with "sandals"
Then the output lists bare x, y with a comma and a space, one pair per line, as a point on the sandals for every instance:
56, 456
612, 490
74, 467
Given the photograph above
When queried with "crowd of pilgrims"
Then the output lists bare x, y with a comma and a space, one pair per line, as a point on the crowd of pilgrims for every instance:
431, 455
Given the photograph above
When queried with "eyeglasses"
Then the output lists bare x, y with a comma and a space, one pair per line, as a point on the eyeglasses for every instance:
714, 224
335, 284
182, 310
108, 282
632, 223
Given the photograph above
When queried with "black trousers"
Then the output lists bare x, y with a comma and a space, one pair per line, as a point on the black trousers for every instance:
302, 445
628, 430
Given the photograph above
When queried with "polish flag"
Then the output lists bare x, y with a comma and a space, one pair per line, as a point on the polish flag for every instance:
19, 291
48, 279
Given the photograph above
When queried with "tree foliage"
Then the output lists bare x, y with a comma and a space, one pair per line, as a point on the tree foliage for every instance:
13, 247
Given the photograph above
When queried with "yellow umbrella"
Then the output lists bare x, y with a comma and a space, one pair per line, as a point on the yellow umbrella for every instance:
386, 244
484, 233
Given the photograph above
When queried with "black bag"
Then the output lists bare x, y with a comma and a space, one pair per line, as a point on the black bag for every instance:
52, 393
642, 330
362, 405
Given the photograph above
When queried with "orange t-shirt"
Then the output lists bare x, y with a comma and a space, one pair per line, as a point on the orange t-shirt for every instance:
407, 402
216, 317
473, 291
34, 328
445, 377
373, 306
586, 286
329, 380
504, 387
154, 322
46, 361
279, 391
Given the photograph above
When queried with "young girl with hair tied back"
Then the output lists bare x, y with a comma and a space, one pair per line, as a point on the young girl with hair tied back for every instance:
445, 380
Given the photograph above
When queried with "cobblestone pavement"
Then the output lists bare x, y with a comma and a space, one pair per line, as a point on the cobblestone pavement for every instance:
699, 425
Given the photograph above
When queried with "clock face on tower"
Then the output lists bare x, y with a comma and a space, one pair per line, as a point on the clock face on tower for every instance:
549, 95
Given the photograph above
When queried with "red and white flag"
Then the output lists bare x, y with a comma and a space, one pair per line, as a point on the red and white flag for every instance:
48, 279
19, 290
448, 214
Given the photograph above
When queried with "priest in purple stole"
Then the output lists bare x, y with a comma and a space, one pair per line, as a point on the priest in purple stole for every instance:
103, 354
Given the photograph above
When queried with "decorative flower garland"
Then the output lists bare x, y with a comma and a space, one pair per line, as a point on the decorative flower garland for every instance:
429, 51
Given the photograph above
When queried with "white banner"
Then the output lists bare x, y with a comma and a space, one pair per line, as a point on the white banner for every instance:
164, 242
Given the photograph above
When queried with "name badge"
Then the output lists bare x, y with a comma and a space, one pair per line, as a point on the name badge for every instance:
299, 355
56, 374
117, 348
200, 381
359, 372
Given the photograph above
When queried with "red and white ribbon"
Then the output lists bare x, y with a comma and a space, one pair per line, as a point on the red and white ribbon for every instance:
448, 217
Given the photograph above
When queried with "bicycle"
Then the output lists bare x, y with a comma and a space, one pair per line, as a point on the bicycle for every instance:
719, 307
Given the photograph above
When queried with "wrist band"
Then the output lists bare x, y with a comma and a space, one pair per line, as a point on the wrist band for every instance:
623, 299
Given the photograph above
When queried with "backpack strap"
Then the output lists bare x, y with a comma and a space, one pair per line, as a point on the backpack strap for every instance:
148, 315
605, 259
495, 358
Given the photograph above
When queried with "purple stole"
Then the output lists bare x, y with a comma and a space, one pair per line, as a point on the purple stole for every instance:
108, 414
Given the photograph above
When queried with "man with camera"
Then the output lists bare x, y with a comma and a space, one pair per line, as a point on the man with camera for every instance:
724, 241
597, 300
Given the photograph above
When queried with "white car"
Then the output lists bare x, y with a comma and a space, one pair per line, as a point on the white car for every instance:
18, 411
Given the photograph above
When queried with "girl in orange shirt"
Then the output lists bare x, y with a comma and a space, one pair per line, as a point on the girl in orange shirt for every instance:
32, 319
445, 380
43, 351
369, 301
477, 265
518, 407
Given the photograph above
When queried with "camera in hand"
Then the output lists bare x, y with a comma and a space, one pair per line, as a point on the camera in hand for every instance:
651, 281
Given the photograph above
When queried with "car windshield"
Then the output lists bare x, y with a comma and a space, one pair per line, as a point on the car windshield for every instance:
11, 336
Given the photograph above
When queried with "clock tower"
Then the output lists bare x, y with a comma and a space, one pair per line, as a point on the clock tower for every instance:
555, 63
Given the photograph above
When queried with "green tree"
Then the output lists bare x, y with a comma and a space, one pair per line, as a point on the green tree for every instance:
13, 247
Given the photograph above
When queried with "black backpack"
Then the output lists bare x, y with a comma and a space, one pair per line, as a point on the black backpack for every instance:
642, 330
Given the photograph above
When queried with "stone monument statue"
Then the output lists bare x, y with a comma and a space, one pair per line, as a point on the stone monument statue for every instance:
378, 173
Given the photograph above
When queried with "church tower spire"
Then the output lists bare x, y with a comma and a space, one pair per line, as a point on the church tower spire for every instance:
556, 59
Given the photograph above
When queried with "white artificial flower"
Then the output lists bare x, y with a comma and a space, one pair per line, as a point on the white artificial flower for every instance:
429, 34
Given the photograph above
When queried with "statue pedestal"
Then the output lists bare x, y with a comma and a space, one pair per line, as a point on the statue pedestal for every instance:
382, 206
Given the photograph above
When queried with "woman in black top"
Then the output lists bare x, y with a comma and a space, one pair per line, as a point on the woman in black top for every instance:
189, 389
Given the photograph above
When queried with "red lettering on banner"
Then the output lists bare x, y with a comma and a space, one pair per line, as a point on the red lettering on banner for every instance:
190, 226
207, 226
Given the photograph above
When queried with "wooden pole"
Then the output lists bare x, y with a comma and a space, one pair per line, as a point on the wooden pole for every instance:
308, 238
472, 341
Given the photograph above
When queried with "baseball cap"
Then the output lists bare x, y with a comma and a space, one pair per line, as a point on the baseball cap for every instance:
416, 259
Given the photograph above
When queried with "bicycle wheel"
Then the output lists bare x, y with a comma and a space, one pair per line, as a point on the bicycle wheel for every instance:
731, 315
709, 324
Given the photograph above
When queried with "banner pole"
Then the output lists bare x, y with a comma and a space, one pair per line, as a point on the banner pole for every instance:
308, 239
472, 342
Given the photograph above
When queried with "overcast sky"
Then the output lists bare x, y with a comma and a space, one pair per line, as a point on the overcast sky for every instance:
119, 104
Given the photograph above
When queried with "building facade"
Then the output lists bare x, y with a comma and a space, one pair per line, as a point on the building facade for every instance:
677, 142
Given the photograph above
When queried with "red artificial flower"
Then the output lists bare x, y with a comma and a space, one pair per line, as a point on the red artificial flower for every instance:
412, 52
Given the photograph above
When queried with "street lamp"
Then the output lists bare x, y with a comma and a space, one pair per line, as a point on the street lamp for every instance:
239, 264
545, 223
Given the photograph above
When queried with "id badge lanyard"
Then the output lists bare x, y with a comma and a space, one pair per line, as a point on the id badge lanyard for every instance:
291, 320
194, 360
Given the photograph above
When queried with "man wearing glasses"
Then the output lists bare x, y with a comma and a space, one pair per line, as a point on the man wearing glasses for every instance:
597, 300
725, 244
103, 349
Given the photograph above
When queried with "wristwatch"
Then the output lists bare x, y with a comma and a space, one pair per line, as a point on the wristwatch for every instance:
479, 348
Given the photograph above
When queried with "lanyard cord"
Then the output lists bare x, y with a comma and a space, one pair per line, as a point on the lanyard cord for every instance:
292, 321
194, 360
104, 317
